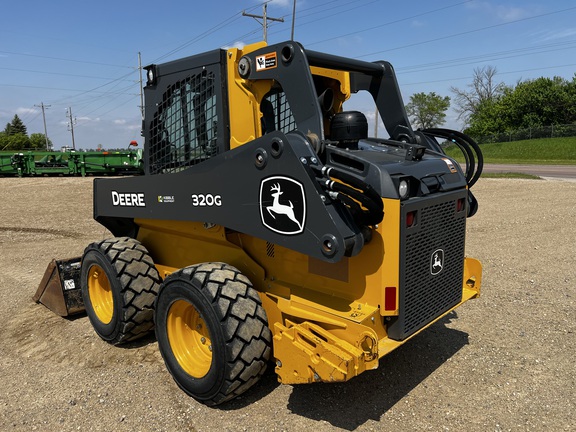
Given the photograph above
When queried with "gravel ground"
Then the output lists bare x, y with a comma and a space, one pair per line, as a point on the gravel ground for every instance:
502, 362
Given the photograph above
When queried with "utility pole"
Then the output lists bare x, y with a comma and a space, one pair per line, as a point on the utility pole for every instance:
293, 20
141, 85
71, 123
376, 123
44, 107
265, 18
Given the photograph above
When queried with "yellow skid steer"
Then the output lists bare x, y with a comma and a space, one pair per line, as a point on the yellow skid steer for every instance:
270, 228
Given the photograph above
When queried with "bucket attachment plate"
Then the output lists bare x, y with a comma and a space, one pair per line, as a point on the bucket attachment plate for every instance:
59, 289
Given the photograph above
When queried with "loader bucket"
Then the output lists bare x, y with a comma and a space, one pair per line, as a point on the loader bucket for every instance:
59, 289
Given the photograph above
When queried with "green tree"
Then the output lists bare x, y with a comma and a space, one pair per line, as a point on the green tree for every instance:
15, 135
16, 126
488, 119
532, 103
427, 110
38, 141
17, 141
540, 102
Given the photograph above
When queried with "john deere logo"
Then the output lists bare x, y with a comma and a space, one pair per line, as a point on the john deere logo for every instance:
282, 205
437, 262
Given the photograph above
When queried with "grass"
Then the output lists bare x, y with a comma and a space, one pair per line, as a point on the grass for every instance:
545, 151
511, 175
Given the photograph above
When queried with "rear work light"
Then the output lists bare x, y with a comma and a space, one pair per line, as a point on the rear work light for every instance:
403, 189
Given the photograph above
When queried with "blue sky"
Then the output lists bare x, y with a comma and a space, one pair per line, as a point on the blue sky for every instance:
84, 55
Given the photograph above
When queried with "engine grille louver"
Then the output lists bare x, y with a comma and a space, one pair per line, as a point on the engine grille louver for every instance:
423, 295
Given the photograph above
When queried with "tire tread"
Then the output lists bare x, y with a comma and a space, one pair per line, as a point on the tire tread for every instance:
139, 281
243, 321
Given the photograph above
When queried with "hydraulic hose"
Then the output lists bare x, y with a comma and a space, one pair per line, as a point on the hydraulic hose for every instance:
355, 183
470, 149
364, 203
373, 213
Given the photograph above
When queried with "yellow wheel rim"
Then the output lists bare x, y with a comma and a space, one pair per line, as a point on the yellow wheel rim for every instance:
100, 294
189, 338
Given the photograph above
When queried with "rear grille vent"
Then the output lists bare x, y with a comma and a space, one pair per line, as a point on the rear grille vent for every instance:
437, 239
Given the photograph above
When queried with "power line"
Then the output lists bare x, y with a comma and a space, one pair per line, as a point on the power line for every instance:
43, 72
325, 16
390, 23
236, 16
29, 112
63, 59
201, 36
54, 88
466, 32
501, 55
498, 73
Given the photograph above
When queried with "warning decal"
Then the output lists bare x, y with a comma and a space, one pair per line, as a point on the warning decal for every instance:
266, 61
451, 166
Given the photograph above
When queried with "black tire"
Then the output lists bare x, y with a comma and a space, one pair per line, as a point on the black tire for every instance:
212, 331
119, 286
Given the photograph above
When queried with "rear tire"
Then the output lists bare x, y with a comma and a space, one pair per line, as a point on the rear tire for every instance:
212, 331
119, 286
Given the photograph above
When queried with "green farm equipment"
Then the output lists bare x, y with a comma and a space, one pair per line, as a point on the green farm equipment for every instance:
71, 163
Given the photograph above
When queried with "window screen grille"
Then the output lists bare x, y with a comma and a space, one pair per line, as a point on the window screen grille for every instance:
184, 129
283, 119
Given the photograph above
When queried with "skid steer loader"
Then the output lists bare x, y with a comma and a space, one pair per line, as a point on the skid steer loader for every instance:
269, 227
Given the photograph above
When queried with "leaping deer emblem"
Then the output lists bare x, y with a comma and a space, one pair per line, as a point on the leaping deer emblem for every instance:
281, 209
437, 262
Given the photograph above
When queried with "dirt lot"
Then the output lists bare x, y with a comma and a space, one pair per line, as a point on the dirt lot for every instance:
502, 362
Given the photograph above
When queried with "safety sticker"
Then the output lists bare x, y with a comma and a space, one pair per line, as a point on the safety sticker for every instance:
69, 284
451, 166
266, 61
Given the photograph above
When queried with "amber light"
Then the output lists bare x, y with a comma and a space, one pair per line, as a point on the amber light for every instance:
390, 298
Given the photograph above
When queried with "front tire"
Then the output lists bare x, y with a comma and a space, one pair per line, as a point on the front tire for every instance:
119, 286
212, 331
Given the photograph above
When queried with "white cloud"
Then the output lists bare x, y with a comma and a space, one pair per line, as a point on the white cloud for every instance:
502, 12
510, 13
22, 111
128, 124
351, 41
135, 126
282, 3
557, 34
88, 119
237, 44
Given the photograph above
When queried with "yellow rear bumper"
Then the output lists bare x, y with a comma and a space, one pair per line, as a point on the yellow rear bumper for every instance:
308, 352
